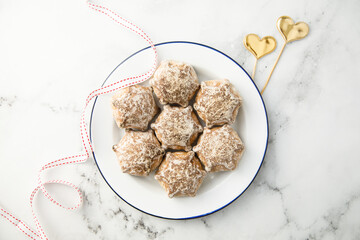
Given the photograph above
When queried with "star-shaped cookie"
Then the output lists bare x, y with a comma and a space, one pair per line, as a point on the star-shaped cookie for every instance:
139, 153
219, 148
177, 127
217, 102
134, 107
174, 82
180, 174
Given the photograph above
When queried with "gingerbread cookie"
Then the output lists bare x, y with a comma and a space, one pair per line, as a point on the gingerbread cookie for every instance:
219, 149
180, 174
217, 102
139, 153
175, 83
177, 127
134, 107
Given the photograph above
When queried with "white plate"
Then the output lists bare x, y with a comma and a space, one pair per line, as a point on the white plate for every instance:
218, 190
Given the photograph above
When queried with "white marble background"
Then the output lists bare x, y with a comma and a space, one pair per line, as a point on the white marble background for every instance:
52, 53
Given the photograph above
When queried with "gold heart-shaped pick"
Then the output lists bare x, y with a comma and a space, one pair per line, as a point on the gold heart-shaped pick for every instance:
291, 31
259, 47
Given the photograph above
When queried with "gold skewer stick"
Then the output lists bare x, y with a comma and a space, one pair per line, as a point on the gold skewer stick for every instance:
273, 68
290, 31
259, 47
253, 73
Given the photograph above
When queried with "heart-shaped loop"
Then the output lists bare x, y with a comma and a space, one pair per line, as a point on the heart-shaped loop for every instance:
259, 47
291, 31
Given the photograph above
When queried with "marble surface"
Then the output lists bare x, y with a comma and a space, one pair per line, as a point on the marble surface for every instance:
52, 53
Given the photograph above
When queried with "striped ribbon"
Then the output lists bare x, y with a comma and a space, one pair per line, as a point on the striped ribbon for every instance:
84, 132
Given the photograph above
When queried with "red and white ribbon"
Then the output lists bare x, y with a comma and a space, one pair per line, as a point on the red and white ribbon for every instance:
88, 149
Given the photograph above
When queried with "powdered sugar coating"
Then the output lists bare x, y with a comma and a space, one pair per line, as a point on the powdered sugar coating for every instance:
217, 102
175, 82
134, 107
138, 152
219, 149
177, 127
180, 174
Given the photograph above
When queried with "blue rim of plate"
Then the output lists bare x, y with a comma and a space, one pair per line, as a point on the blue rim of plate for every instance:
267, 134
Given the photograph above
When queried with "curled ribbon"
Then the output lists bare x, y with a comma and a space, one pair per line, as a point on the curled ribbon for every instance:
88, 149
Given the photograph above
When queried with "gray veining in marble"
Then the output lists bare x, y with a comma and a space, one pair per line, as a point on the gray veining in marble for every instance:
53, 53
